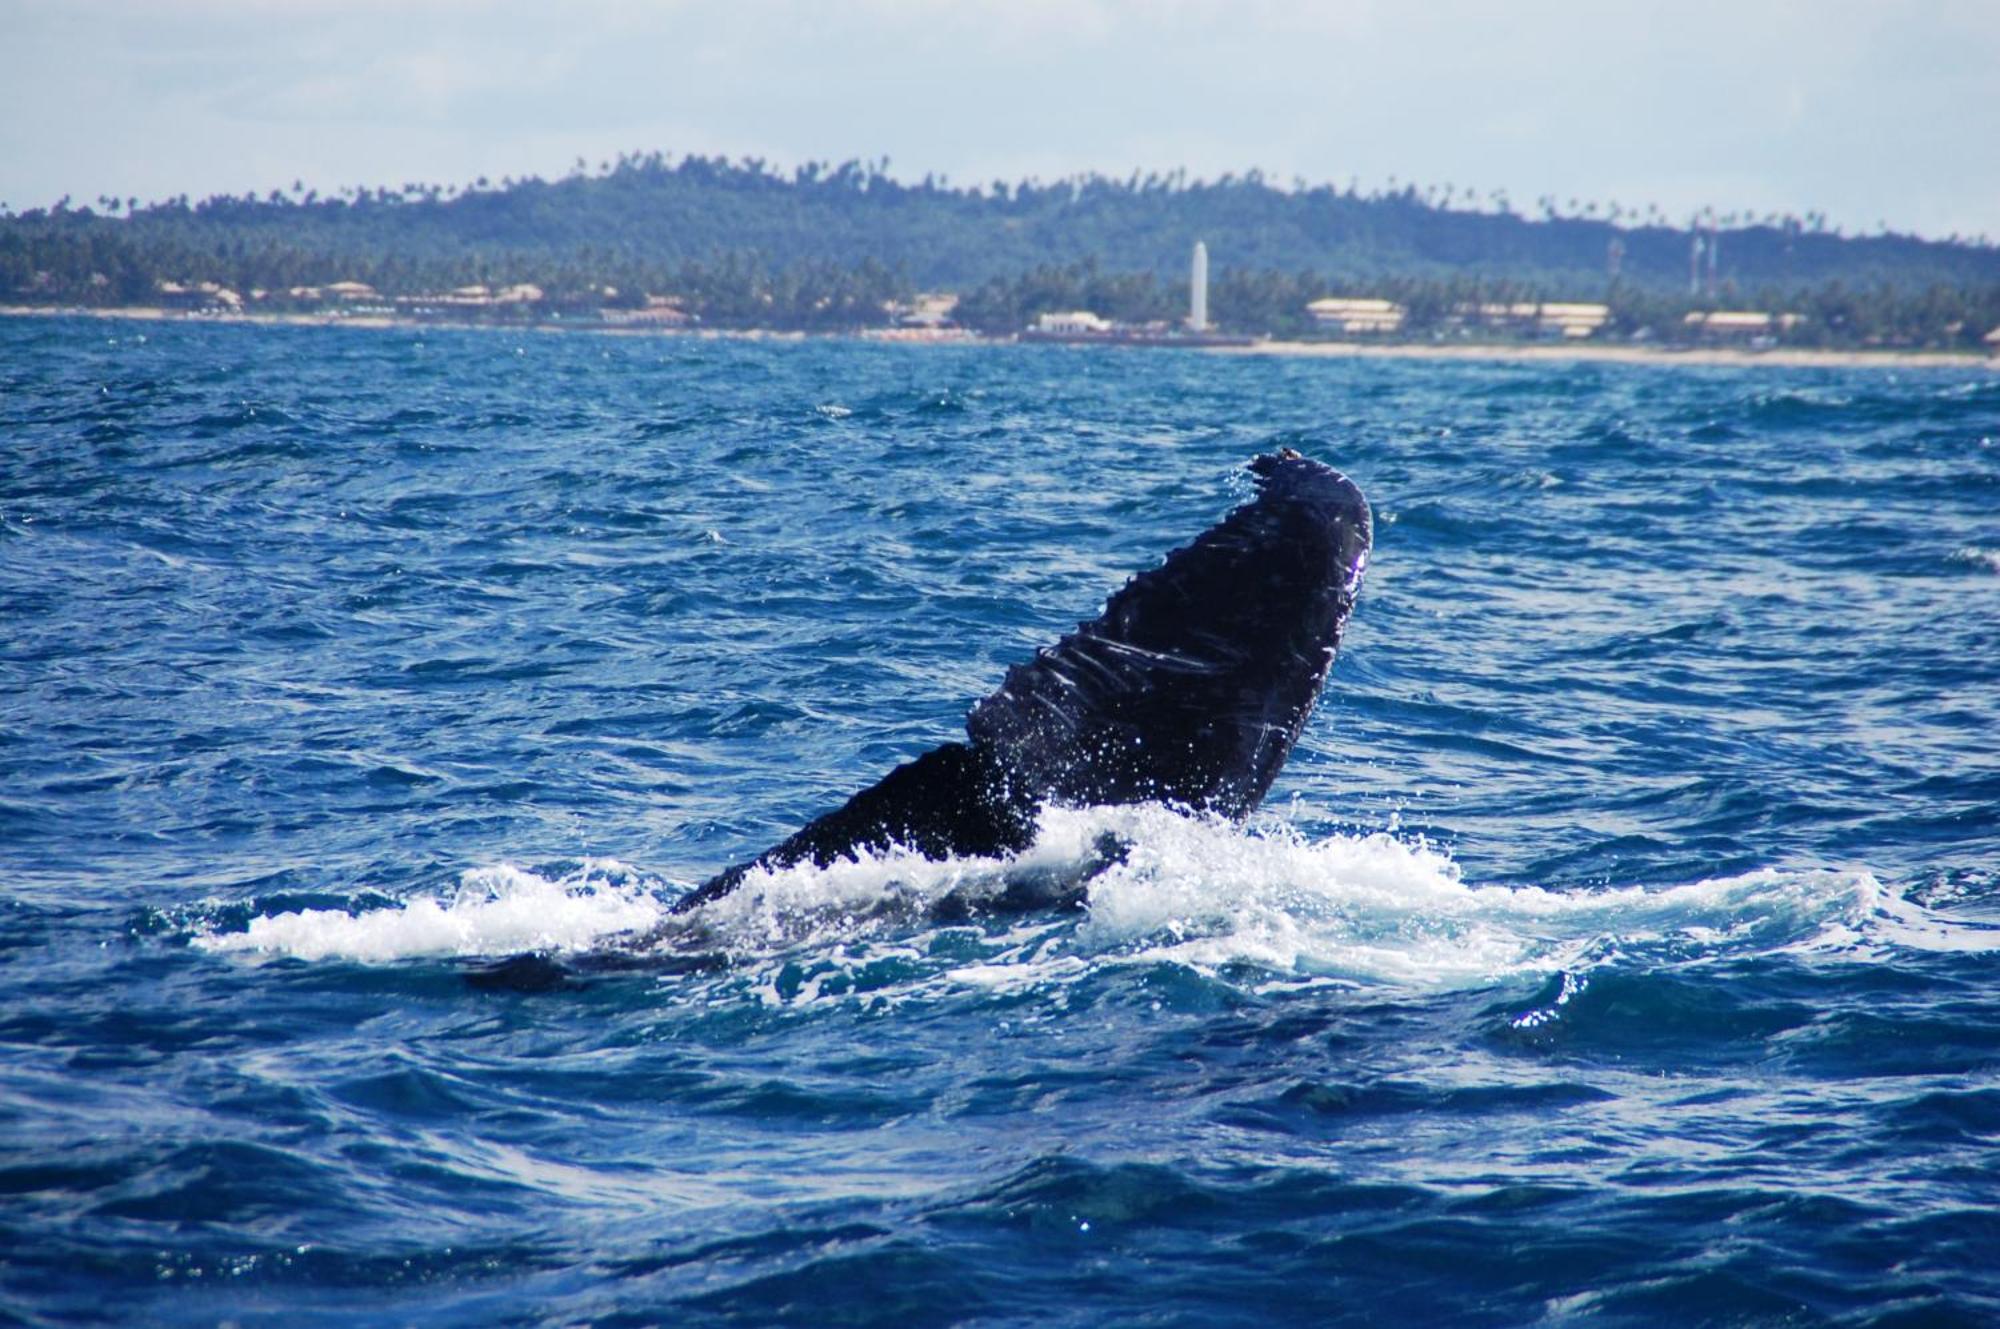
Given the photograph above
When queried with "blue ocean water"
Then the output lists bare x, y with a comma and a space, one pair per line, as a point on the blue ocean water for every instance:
1619, 947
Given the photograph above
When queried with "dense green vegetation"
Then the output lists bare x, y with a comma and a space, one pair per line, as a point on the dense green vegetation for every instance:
826, 246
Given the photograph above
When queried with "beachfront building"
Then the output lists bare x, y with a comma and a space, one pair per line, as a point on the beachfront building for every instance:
660, 313
1072, 323
1745, 325
479, 297
198, 296
929, 316
1551, 320
1356, 316
927, 310
1570, 320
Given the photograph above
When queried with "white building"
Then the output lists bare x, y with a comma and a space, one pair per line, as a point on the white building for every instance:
1554, 319
1071, 323
1752, 325
1355, 316
926, 310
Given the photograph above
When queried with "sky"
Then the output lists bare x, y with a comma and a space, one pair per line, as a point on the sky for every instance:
1872, 112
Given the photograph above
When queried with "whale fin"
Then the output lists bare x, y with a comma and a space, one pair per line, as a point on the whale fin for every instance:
1189, 689
1193, 684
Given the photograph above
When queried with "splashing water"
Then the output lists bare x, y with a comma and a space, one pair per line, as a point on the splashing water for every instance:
1193, 891
492, 910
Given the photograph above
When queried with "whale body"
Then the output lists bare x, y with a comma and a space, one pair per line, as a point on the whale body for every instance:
1189, 689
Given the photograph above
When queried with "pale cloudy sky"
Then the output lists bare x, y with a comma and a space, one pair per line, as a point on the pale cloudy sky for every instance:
1868, 110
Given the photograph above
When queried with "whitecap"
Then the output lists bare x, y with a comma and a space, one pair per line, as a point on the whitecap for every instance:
1973, 556
496, 910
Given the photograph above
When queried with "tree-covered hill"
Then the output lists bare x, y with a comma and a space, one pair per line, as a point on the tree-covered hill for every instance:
644, 221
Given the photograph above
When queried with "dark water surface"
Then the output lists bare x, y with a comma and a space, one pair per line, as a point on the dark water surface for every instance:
1618, 948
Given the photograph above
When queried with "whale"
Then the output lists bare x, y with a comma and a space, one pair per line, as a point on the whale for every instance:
1190, 689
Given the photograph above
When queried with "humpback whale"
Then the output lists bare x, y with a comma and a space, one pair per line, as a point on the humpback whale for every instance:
1189, 690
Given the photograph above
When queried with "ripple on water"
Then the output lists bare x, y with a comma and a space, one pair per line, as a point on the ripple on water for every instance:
1619, 950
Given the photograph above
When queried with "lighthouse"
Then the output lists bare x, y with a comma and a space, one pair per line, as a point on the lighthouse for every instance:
1198, 290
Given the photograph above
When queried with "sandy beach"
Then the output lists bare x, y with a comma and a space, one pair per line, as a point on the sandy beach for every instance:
1797, 357
1521, 352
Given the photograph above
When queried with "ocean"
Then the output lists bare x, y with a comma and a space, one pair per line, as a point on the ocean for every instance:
1621, 945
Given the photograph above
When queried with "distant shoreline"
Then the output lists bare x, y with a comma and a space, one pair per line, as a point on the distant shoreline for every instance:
1795, 357
1516, 352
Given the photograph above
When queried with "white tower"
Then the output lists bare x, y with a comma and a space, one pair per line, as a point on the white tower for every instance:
1198, 290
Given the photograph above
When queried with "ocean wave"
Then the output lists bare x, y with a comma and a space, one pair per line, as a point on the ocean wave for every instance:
1976, 558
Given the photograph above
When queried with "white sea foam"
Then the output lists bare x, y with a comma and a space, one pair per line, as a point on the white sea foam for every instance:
496, 910
1986, 560
1367, 909
1380, 909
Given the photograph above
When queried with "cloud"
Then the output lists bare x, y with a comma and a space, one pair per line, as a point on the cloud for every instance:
1857, 108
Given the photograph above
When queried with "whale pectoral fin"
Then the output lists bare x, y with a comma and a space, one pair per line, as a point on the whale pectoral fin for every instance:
950, 801
1189, 689
1196, 680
